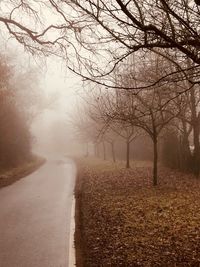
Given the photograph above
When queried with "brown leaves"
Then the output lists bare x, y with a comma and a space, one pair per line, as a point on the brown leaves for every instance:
127, 222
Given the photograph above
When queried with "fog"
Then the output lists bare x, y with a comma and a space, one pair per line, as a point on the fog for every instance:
51, 129
56, 93
99, 133
112, 117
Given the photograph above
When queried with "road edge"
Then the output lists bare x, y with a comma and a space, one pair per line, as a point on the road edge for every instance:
22, 171
72, 257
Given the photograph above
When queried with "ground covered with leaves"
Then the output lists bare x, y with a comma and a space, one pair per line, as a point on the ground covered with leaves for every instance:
123, 221
11, 175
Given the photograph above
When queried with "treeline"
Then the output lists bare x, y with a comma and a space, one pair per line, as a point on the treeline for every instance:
167, 114
15, 114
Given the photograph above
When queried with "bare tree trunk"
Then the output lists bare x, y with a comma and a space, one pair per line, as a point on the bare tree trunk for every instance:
196, 153
196, 130
180, 160
95, 150
113, 151
98, 150
127, 154
104, 151
186, 157
155, 161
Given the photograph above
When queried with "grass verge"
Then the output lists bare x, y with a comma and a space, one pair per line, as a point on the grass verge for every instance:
8, 177
122, 220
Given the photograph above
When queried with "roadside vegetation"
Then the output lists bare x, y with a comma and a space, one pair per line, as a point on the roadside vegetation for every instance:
123, 221
13, 174
129, 213
18, 108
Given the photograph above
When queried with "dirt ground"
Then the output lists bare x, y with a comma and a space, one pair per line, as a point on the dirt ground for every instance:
122, 220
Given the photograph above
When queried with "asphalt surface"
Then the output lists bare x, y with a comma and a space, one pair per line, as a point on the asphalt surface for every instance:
35, 217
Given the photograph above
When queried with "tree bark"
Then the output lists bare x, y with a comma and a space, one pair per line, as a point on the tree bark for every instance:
196, 130
196, 152
185, 157
127, 154
155, 161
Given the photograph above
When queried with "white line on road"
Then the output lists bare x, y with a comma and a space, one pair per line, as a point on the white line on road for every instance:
72, 260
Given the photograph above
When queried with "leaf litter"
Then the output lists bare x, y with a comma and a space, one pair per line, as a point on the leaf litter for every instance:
127, 222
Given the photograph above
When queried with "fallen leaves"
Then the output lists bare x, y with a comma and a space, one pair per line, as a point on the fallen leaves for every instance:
127, 222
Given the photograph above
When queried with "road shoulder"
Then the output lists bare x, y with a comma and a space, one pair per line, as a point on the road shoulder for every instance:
12, 175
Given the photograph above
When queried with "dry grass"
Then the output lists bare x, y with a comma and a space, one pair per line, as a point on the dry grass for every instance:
127, 222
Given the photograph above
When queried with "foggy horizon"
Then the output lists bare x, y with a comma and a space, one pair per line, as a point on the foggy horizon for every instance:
99, 133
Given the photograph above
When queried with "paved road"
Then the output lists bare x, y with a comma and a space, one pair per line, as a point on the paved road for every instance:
35, 217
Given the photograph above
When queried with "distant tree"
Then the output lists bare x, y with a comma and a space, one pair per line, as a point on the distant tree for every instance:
171, 154
188, 122
16, 140
149, 110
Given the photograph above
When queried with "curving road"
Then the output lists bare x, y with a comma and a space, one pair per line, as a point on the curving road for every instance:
35, 217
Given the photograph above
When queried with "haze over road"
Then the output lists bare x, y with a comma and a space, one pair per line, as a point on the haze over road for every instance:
35, 217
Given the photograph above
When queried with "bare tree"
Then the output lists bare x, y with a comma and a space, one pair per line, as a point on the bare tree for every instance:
127, 132
95, 36
149, 110
133, 27
187, 106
